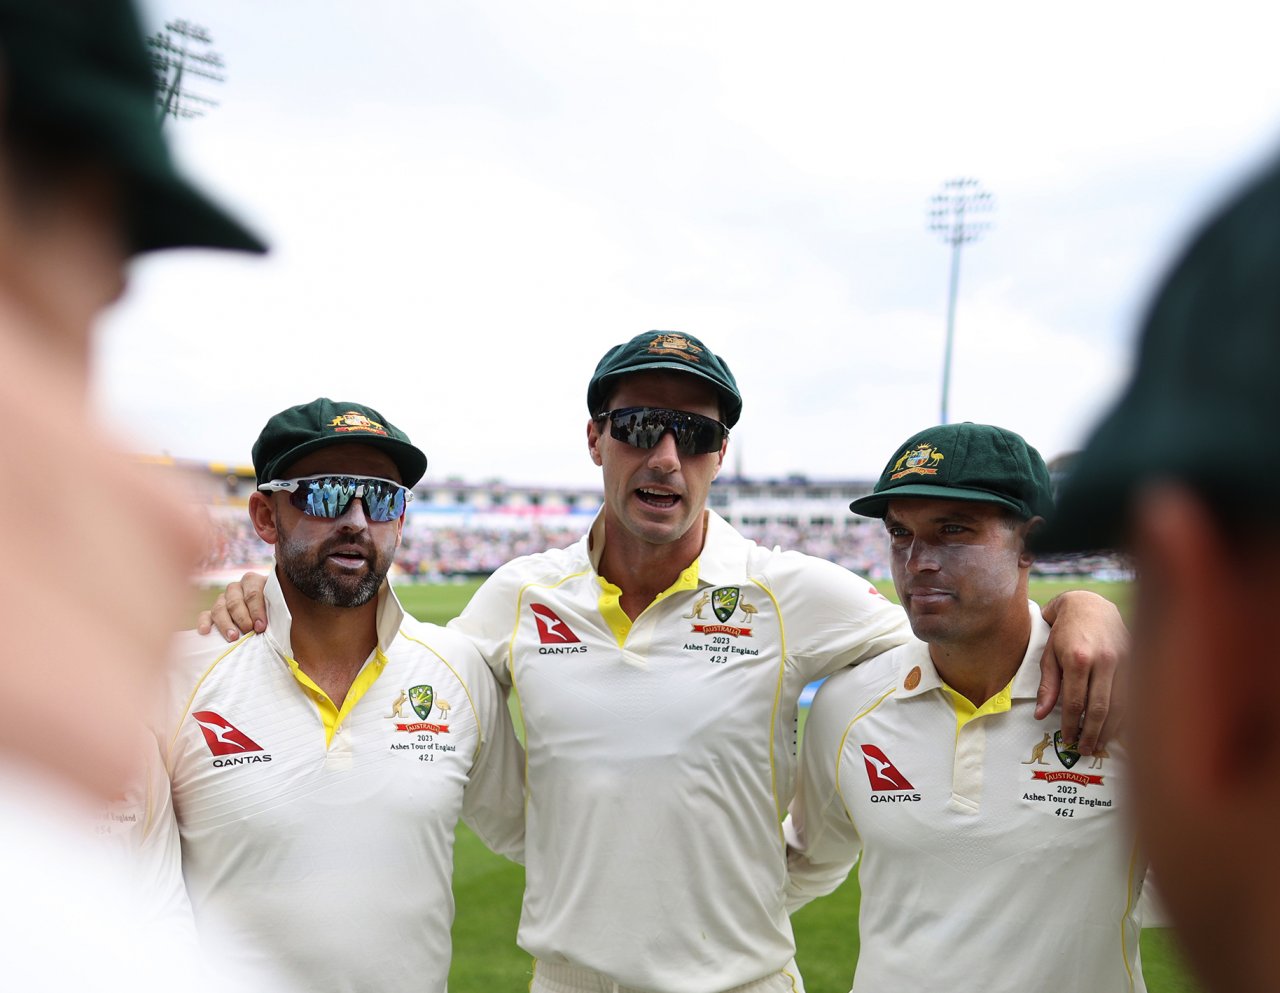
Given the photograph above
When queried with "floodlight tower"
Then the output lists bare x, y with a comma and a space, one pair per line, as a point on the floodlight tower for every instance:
178, 52
951, 215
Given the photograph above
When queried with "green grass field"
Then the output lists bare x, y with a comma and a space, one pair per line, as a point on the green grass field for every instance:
487, 888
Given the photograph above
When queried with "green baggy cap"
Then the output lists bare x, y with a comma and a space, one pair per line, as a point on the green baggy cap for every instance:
1203, 403
977, 462
294, 432
77, 71
657, 350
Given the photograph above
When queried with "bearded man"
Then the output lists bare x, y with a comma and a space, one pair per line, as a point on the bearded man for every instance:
316, 810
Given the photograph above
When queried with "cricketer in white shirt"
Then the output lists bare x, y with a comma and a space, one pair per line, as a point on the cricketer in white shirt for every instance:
662, 752
318, 838
989, 856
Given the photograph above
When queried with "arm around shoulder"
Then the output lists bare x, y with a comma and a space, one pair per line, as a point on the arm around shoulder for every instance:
834, 618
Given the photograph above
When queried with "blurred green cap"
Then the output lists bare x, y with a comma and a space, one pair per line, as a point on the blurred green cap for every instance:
78, 72
1203, 403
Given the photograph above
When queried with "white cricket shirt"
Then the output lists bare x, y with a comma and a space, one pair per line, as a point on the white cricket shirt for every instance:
661, 753
992, 859
320, 838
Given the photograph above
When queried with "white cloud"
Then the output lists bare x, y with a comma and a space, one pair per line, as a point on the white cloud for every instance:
469, 203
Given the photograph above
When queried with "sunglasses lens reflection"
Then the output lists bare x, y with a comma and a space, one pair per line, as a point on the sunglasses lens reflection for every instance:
330, 497
644, 427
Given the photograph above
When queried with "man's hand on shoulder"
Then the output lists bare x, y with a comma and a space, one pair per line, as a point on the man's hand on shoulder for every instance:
239, 609
1088, 646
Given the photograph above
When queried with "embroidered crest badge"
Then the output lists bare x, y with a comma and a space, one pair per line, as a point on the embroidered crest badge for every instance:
675, 346
355, 421
922, 460
724, 602
1068, 755
421, 697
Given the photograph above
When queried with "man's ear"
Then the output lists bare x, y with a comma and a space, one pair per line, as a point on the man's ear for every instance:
593, 441
1201, 617
262, 512
1028, 528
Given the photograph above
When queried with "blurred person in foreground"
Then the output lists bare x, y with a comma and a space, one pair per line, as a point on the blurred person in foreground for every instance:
99, 556
929, 767
319, 769
1184, 473
658, 665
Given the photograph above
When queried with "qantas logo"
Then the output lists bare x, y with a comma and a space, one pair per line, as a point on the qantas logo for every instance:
223, 737
553, 631
884, 775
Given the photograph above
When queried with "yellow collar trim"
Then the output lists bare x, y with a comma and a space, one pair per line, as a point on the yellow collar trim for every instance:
611, 601
330, 713
966, 711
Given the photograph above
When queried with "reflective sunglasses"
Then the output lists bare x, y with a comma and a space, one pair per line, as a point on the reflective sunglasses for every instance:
330, 496
643, 427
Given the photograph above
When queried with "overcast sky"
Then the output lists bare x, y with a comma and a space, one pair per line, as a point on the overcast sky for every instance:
468, 202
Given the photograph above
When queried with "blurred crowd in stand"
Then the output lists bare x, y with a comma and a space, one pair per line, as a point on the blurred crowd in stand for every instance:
431, 552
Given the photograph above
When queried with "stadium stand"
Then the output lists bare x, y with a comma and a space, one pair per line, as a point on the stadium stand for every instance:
456, 528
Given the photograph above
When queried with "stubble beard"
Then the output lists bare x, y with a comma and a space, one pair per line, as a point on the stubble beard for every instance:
307, 571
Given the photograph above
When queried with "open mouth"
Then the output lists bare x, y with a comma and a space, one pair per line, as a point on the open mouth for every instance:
658, 498
348, 558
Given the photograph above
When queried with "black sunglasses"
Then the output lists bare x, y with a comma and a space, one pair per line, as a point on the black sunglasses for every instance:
643, 427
